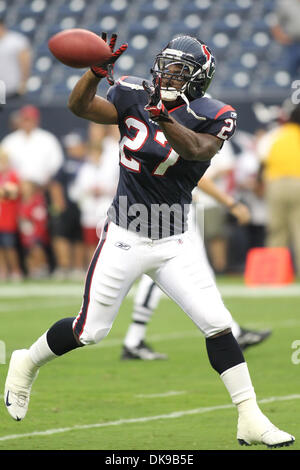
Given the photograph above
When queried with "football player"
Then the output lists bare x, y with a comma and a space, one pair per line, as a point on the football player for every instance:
169, 133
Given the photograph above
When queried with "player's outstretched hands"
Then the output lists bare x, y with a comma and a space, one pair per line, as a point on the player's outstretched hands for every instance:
106, 69
155, 106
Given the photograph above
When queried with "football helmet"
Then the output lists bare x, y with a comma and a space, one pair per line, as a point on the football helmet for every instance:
187, 60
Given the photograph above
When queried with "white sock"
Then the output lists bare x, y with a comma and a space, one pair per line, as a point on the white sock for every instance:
249, 406
135, 334
238, 383
40, 352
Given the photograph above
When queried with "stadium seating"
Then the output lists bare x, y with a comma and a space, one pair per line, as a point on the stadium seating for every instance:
238, 32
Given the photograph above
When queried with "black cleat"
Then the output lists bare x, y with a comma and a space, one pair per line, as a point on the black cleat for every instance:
249, 338
143, 351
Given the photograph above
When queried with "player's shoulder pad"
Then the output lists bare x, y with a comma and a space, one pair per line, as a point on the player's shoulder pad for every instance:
213, 109
126, 91
130, 82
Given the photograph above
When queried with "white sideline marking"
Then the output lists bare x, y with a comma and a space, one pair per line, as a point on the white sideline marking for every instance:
234, 290
161, 395
145, 419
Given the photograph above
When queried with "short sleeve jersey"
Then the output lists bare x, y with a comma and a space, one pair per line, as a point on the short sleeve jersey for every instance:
154, 180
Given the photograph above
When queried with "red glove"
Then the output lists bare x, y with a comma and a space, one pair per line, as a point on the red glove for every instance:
106, 69
155, 106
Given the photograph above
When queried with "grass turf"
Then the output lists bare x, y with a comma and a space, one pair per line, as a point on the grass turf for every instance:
91, 400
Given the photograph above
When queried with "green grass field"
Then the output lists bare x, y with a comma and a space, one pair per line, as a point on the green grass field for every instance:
91, 400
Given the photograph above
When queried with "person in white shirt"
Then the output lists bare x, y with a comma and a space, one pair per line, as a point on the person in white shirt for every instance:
15, 61
36, 154
95, 186
214, 229
250, 188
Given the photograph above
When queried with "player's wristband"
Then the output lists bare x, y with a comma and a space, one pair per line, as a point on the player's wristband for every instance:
107, 73
97, 74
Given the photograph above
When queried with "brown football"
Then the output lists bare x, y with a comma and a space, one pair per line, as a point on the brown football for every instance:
79, 48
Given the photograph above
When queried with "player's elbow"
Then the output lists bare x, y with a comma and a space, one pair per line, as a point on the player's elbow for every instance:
202, 152
77, 104
73, 106
200, 147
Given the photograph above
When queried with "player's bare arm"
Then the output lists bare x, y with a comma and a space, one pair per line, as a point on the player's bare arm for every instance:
84, 102
188, 144
239, 210
170, 81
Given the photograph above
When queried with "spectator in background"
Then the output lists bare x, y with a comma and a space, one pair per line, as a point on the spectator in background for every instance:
96, 183
286, 31
250, 187
35, 153
66, 230
15, 61
215, 215
13, 121
9, 201
280, 153
33, 229
96, 134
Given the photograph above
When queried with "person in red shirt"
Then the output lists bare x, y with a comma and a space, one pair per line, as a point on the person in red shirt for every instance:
9, 202
33, 229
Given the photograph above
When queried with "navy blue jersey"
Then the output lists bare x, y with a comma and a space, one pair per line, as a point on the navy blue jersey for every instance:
155, 182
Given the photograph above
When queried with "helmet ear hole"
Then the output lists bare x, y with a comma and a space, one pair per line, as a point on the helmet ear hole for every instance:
194, 90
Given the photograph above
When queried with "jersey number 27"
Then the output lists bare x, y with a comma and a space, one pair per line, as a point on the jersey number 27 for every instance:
135, 144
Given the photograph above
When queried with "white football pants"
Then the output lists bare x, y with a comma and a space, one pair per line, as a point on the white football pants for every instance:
175, 265
149, 294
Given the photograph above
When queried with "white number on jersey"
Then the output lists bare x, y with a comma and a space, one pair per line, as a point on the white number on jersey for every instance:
171, 158
137, 142
134, 144
226, 129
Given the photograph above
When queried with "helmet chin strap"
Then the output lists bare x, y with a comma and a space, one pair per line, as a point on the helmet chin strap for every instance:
188, 108
171, 94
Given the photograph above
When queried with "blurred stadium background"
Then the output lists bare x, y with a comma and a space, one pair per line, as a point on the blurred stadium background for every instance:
249, 65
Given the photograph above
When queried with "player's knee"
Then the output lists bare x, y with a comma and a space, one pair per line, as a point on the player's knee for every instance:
100, 334
93, 337
219, 324
220, 333
218, 328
